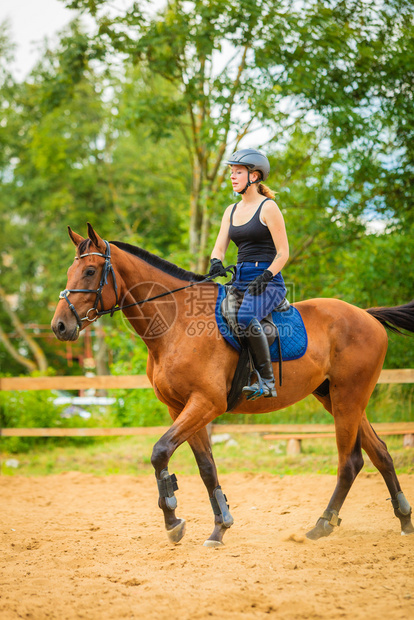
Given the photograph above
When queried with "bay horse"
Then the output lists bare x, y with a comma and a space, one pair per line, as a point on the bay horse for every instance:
191, 367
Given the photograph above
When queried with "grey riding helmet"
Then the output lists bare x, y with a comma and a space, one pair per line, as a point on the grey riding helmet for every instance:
252, 159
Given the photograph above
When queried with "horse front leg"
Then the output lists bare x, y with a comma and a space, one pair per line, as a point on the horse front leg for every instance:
167, 485
201, 447
190, 420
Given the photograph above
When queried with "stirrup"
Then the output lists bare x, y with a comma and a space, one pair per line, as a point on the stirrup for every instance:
258, 389
258, 392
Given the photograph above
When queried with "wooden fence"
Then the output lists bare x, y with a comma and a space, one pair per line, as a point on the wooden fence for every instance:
269, 431
293, 433
129, 382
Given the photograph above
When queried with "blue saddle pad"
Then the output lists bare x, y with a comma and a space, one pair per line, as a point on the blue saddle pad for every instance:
293, 336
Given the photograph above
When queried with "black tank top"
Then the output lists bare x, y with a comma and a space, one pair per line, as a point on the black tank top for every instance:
253, 238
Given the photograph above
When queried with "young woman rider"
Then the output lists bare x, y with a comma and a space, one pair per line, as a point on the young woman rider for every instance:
256, 226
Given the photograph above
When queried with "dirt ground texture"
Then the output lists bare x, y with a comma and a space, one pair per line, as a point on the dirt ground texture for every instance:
80, 546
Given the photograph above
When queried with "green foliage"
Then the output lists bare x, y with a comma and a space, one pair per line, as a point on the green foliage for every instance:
391, 403
70, 155
137, 149
388, 403
140, 408
134, 407
36, 409
338, 68
27, 410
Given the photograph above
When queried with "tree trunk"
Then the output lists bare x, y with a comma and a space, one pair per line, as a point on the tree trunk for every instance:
204, 251
38, 354
101, 355
24, 361
195, 212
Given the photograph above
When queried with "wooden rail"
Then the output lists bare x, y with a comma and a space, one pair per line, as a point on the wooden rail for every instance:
83, 432
294, 439
269, 431
99, 382
397, 375
293, 433
129, 382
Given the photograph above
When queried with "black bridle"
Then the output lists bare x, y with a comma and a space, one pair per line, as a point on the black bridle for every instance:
106, 270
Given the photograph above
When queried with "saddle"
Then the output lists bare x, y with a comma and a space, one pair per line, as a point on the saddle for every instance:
229, 309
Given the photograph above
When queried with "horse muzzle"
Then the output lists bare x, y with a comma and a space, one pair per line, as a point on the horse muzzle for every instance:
65, 329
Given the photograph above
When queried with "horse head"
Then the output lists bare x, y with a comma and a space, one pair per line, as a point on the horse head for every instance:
86, 296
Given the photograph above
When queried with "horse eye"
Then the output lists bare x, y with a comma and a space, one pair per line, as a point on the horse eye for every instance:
90, 272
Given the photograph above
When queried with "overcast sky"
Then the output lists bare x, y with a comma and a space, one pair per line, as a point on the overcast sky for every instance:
30, 22
33, 20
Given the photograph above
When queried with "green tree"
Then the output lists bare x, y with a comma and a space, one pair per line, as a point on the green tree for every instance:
237, 67
139, 149
68, 157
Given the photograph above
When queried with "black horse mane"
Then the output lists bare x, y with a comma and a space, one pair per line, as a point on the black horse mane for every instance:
159, 263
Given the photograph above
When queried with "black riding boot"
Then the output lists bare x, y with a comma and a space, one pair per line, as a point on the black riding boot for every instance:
259, 348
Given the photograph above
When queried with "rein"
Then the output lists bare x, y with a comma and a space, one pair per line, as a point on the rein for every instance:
106, 270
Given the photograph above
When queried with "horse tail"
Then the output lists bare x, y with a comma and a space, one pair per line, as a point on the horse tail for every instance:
395, 318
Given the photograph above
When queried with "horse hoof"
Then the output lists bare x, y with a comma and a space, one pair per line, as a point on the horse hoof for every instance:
407, 533
321, 529
215, 544
177, 532
407, 527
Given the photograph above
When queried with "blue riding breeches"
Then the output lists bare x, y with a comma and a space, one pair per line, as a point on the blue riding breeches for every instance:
257, 306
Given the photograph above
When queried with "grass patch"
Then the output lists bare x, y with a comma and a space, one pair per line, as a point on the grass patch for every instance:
131, 455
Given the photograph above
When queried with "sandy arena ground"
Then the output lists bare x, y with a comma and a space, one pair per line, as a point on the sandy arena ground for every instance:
81, 546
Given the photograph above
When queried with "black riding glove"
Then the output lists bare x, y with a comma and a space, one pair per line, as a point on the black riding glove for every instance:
216, 269
258, 286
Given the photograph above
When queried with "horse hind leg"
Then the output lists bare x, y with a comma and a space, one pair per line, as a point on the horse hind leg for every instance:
348, 439
201, 447
381, 459
376, 450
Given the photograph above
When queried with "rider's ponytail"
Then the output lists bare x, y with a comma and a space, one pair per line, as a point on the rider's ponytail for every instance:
266, 191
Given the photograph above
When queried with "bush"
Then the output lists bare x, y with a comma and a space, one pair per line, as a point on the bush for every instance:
35, 409
139, 408
134, 407
391, 403
31, 409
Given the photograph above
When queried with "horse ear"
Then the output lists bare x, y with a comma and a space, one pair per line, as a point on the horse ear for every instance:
76, 239
96, 239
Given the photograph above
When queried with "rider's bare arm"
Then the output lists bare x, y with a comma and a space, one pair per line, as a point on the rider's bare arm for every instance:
223, 238
273, 218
